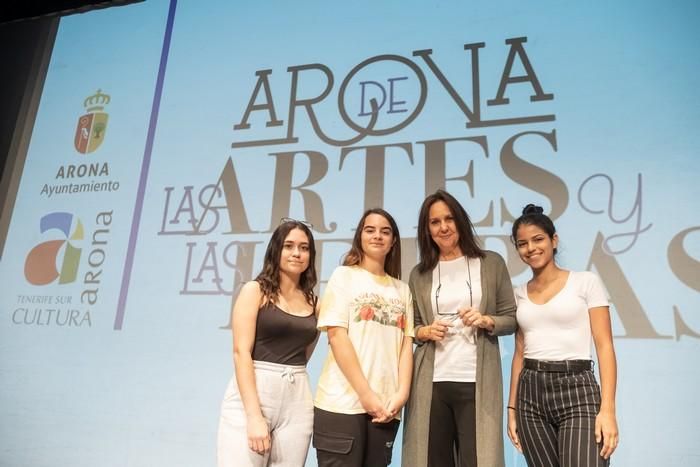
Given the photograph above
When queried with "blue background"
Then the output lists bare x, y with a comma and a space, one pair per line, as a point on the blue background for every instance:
624, 76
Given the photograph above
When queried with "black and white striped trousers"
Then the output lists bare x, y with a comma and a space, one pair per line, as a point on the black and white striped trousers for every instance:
556, 418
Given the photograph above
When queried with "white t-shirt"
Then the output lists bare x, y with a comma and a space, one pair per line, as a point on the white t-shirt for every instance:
455, 355
561, 328
377, 311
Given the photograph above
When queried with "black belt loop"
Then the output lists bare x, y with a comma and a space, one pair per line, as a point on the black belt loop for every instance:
561, 366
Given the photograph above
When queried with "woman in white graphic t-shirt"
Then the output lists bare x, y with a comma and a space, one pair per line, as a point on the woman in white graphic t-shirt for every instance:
367, 312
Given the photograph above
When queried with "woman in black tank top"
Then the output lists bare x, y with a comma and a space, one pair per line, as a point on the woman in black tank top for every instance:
267, 413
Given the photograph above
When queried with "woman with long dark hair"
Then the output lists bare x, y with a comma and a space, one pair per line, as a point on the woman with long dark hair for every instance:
267, 413
366, 311
463, 300
556, 413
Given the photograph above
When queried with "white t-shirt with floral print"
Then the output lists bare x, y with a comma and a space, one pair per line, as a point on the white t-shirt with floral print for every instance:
377, 311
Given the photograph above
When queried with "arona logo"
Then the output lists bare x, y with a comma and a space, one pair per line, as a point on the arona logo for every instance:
92, 126
40, 267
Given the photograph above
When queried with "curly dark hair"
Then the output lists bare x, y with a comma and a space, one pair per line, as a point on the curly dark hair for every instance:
269, 277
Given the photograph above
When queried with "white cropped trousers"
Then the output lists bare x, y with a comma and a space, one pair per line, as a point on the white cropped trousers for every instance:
287, 405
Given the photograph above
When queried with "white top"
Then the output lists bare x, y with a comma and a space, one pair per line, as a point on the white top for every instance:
561, 328
455, 355
377, 311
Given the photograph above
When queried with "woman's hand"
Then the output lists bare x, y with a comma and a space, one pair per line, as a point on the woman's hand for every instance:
472, 317
373, 406
394, 406
437, 330
258, 435
513, 430
606, 432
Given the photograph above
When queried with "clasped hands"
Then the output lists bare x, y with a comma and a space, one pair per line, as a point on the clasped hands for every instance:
259, 439
382, 413
471, 317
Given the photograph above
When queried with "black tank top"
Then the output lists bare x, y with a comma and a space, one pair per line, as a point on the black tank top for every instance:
281, 337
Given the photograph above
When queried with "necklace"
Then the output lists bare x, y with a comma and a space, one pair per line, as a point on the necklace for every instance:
469, 287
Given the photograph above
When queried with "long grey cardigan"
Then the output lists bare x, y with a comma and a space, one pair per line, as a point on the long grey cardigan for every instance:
497, 301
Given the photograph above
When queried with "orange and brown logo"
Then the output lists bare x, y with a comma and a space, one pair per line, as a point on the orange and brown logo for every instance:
40, 265
92, 126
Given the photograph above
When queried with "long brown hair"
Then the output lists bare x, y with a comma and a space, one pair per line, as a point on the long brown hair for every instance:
392, 261
468, 241
269, 277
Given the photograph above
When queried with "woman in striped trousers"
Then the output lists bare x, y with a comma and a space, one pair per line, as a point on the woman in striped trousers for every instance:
557, 413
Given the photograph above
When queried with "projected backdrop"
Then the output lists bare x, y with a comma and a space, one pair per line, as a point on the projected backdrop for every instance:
172, 137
